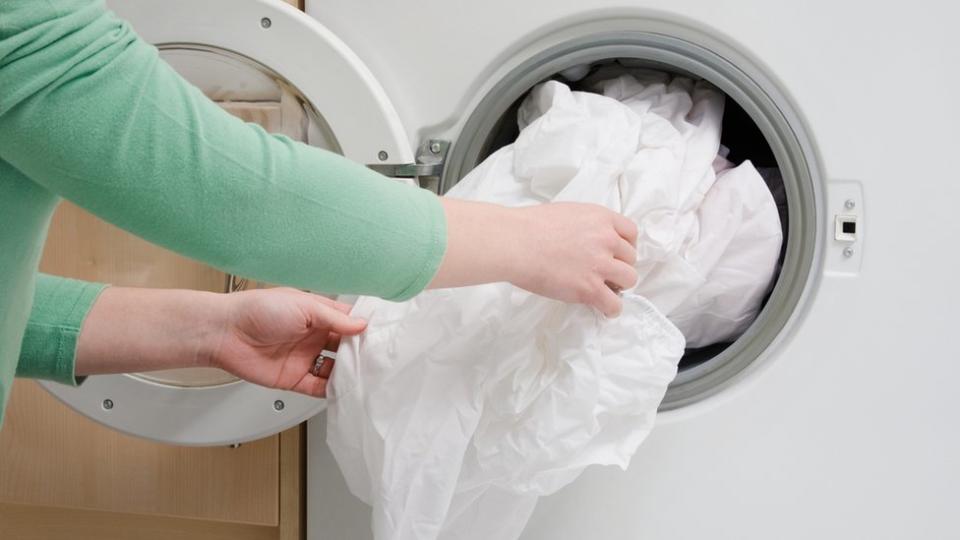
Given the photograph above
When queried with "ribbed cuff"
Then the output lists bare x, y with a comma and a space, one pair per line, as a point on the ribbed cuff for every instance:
49, 344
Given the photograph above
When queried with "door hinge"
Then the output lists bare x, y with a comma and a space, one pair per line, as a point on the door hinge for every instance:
430, 159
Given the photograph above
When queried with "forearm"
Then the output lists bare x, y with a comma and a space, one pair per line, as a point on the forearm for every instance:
131, 330
271, 337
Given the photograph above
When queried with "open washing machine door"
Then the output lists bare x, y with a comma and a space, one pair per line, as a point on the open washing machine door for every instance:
269, 63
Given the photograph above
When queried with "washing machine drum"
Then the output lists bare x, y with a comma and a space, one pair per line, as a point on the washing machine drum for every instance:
268, 63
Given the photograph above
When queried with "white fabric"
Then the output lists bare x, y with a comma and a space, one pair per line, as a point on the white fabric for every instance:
455, 410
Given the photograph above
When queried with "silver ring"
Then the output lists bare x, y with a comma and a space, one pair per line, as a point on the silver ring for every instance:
318, 365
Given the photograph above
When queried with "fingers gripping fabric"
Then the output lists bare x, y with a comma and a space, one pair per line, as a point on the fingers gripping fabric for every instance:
457, 409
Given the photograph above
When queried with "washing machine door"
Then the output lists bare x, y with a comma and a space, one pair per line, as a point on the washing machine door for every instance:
266, 62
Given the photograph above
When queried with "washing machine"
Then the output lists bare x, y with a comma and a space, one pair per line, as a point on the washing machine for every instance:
833, 416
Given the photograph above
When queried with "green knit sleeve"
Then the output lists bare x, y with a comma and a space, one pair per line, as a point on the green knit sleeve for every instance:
49, 344
89, 111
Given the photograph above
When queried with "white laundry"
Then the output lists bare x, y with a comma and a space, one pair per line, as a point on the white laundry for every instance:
457, 409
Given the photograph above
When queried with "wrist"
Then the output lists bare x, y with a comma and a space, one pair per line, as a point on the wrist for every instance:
486, 243
210, 322
516, 251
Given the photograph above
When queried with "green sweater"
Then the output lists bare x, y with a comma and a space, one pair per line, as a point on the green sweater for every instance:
89, 112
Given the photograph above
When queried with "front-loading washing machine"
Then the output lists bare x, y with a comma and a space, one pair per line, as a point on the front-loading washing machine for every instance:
833, 416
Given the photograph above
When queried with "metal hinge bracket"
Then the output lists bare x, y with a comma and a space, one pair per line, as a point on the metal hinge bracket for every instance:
430, 159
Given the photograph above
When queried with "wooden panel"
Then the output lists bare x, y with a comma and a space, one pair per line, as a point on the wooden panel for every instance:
52, 456
292, 485
40, 523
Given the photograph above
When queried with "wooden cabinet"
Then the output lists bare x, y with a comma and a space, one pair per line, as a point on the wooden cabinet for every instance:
54, 457
64, 476
69, 477
43, 523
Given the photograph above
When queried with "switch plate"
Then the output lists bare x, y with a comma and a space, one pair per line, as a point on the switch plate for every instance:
845, 230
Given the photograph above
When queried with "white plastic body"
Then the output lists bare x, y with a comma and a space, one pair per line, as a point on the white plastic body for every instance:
364, 124
849, 428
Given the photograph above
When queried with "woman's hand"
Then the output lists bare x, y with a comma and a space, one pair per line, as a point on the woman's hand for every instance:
576, 252
272, 337
572, 252
267, 336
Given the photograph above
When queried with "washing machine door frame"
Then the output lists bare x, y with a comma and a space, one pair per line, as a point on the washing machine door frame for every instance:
338, 85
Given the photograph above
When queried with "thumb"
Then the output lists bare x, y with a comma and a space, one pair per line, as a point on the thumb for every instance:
337, 321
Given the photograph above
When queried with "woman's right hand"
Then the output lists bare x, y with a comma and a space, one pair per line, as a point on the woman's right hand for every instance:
571, 252
577, 252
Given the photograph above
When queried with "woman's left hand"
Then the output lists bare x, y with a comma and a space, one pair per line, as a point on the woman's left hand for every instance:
273, 337
270, 337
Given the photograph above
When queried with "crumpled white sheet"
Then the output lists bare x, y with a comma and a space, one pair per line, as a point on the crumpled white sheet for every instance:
454, 411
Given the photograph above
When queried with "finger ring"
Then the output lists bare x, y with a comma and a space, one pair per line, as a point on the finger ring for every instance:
318, 365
